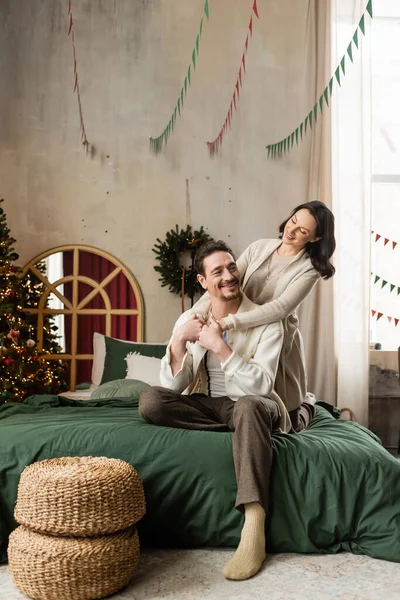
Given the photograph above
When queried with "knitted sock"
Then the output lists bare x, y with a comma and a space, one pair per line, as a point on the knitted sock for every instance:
250, 554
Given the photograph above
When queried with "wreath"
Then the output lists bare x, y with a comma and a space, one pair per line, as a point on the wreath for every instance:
179, 279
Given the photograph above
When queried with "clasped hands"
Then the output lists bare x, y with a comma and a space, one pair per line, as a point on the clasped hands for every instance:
196, 330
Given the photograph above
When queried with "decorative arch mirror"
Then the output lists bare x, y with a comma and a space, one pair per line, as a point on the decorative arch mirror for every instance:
83, 290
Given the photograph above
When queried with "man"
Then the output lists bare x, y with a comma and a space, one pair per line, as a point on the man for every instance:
218, 381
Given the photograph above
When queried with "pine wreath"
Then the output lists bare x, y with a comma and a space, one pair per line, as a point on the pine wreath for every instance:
169, 255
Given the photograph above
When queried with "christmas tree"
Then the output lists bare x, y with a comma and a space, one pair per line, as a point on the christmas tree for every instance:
24, 369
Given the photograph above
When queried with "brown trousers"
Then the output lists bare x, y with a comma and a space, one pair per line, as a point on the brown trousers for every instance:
251, 418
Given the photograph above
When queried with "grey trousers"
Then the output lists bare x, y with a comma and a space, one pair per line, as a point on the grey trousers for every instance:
251, 418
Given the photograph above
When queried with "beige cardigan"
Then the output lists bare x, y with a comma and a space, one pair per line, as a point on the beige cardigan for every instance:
250, 370
293, 286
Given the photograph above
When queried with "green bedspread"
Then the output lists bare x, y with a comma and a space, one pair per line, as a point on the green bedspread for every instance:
333, 486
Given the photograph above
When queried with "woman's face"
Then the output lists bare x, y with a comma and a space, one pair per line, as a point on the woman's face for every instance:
300, 229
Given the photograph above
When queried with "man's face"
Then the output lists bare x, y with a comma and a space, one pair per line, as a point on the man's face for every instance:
222, 278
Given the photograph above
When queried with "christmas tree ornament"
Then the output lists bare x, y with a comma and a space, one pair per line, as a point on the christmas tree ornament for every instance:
30, 343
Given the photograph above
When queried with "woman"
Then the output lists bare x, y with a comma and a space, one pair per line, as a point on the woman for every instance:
278, 275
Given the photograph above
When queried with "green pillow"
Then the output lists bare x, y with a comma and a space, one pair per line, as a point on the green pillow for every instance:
116, 351
120, 388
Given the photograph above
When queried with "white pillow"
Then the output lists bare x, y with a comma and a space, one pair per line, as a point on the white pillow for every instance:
144, 368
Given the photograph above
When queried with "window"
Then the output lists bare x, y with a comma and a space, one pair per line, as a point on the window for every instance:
385, 217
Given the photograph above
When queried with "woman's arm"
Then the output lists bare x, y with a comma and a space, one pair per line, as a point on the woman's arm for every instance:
277, 309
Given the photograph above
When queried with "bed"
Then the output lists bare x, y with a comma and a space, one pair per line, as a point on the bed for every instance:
334, 487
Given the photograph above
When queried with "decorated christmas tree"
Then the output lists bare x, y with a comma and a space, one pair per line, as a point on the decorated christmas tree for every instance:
24, 369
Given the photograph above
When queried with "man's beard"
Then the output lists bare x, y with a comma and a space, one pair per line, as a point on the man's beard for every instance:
231, 295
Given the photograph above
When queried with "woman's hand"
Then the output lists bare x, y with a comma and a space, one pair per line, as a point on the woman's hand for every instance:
222, 324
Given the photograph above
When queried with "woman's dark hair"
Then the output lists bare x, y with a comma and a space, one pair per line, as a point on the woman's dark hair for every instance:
207, 249
320, 251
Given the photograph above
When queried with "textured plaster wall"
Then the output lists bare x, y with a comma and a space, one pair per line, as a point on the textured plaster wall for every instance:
132, 58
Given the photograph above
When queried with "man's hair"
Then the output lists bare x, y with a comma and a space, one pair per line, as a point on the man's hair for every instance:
207, 249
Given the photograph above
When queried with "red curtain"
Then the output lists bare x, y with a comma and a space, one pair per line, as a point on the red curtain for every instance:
121, 296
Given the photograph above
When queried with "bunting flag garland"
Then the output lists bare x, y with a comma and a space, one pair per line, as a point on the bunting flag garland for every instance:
84, 139
392, 286
284, 146
385, 240
156, 144
378, 315
214, 146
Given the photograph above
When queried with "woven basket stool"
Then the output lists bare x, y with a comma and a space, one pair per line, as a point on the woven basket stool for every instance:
46, 567
79, 496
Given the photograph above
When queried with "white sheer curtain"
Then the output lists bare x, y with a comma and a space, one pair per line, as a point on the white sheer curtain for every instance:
351, 190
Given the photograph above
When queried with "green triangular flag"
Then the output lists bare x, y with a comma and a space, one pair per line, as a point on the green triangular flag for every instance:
172, 124
350, 51
343, 65
326, 96
355, 37
320, 103
182, 97
330, 86
362, 24
398, 290
206, 9
194, 58
315, 111
179, 106
284, 146
297, 136
188, 75
176, 108
310, 118
301, 131
269, 151
337, 75
197, 43
383, 283
369, 8
291, 139
185, 85
392, 286
305, 125
377, 278
201, 27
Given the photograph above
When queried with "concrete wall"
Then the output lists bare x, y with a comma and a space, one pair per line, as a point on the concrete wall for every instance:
132, 59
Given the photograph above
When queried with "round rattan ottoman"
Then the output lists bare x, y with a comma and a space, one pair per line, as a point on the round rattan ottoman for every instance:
79, 496
47, 567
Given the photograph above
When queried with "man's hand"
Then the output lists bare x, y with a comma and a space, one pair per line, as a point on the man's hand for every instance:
211, 339
188, 332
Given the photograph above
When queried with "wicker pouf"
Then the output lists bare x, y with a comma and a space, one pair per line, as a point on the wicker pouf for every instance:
46, 567
79, 496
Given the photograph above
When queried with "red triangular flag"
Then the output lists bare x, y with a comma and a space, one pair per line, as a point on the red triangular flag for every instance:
377, 237
255, 9
244, 63
379, 316
240, 76
237, 89
373, 312
396, 322
385, 242
246, 44
229, 117
251, 25
389, 319
234, 99
394, 244
231, 110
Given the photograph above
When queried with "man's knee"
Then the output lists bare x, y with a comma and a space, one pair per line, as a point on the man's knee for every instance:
249, 406
151, 404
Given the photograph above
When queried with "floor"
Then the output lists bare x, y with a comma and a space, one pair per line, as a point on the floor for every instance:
196, 575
